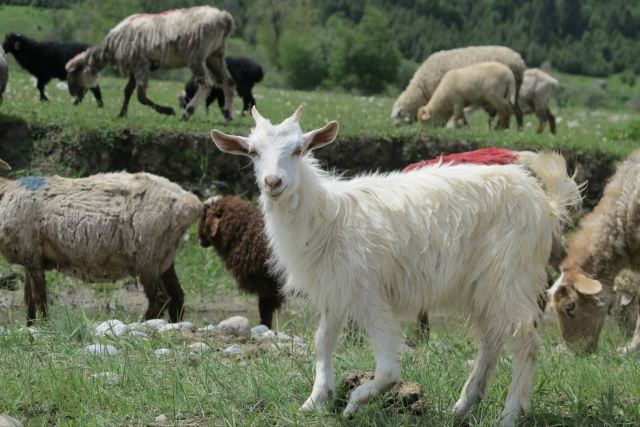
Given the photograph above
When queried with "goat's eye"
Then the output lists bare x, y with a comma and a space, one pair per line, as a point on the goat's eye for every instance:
570, 307
298, 152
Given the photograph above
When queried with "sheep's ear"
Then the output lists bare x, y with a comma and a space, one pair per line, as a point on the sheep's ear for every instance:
586, 286
230, 143
4, 165
213, 227
320, 137
75, 63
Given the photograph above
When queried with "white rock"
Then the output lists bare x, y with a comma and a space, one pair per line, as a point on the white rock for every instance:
573, 124
62, 86
101, 350
186, 325
182, 326
259, 331
236, 326
234, 349
208, 329
136, 326
281, 336
199, 347
155, 323
161, 352
140, 335
9, 421
161, 419
108, 377
111, 327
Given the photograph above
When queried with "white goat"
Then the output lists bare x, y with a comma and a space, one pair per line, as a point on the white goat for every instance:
194, 37
378, 246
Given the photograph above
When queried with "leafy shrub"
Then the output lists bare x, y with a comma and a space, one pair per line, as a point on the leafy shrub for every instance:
302, 60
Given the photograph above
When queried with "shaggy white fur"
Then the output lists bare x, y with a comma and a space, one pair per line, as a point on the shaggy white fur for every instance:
378, 247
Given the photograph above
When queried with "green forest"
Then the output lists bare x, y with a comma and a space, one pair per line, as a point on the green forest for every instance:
368, 46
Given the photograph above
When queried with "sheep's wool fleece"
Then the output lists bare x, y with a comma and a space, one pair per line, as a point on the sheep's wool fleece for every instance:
165, 39
103, 227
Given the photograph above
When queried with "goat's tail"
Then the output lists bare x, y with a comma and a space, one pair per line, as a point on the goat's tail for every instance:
565, 195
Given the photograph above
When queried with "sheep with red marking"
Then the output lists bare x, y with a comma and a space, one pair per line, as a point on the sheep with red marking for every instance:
382, 246
194, 37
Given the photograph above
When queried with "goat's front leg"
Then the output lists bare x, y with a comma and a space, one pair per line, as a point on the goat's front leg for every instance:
41, 84
634, 344
128, 91
97, 94
35, 293
327, 335
386, 338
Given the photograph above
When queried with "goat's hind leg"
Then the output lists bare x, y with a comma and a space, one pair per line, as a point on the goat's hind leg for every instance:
220, 72
142, 80
386, 339
634, 343
327, 335
483, 369
35, 293
175, 293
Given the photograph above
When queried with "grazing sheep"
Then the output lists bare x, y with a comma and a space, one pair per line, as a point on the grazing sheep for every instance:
236, 230
194, 37
607, 243
535, 94
427, 78
46, 61
245, 73
104, 227
489, 83
4, 73
380, 246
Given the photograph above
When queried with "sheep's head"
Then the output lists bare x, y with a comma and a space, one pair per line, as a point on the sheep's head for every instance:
581, 305
276, 152
427, 118
401, 117
80, 76
4, 165
13, 42
209, 220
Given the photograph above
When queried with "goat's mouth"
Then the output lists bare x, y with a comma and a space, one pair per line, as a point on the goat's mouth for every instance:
274, 193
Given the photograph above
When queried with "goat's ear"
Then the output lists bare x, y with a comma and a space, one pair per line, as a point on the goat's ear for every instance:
320, 137
230, 143
586, 285
4, 165
213, 227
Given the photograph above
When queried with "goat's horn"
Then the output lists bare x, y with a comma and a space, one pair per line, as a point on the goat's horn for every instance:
297, 115
4, 165
256, 115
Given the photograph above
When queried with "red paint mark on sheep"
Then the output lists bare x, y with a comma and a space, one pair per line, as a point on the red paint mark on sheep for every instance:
483, 156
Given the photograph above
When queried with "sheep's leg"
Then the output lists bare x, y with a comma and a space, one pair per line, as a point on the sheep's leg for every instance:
327, 335
518, 111
458, 116
542, 119
41, 84
424, 329
634, 344
97, 94
386, 338
484, 367
142, 81
267, 304
552, 121
523, 348
157, 300
128, 91
176, 295
35, 293
221, 74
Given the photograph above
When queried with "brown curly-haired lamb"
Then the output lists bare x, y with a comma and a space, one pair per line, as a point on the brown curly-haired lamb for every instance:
236, 230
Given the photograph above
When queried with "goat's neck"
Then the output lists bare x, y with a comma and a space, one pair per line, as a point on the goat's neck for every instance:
99, 57
588, 255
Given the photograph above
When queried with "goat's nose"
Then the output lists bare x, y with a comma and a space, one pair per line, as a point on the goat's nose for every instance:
272, 181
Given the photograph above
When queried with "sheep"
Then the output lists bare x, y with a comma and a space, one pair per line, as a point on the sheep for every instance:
103, 227
482, 83
426, 79
245, 73
606, 244
236, 230
4, 73
46, 61
535, 93
194, 37
379, 246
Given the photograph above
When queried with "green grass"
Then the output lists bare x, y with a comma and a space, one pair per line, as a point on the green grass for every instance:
46, 378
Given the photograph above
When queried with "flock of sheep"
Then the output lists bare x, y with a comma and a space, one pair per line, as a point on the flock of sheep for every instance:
472, 233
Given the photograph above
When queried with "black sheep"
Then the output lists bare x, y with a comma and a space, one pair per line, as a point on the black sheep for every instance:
245, 73
46, 60
236, 231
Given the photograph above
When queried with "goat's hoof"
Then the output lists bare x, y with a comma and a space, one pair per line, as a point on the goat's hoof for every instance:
310, 406
351, 408
184, 118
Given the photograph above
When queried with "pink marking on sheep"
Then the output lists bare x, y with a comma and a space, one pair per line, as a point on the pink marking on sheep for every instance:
482, 156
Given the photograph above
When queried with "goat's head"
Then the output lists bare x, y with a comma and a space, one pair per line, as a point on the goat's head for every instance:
13, 42
210, 220
581, 305
276, 151
80, 76
4, 165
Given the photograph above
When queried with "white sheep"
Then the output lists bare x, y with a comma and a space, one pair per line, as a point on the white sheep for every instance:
534, 96
4, 73
427, 77
491, 83
194, 37
607, 244
100, 228
380, 246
